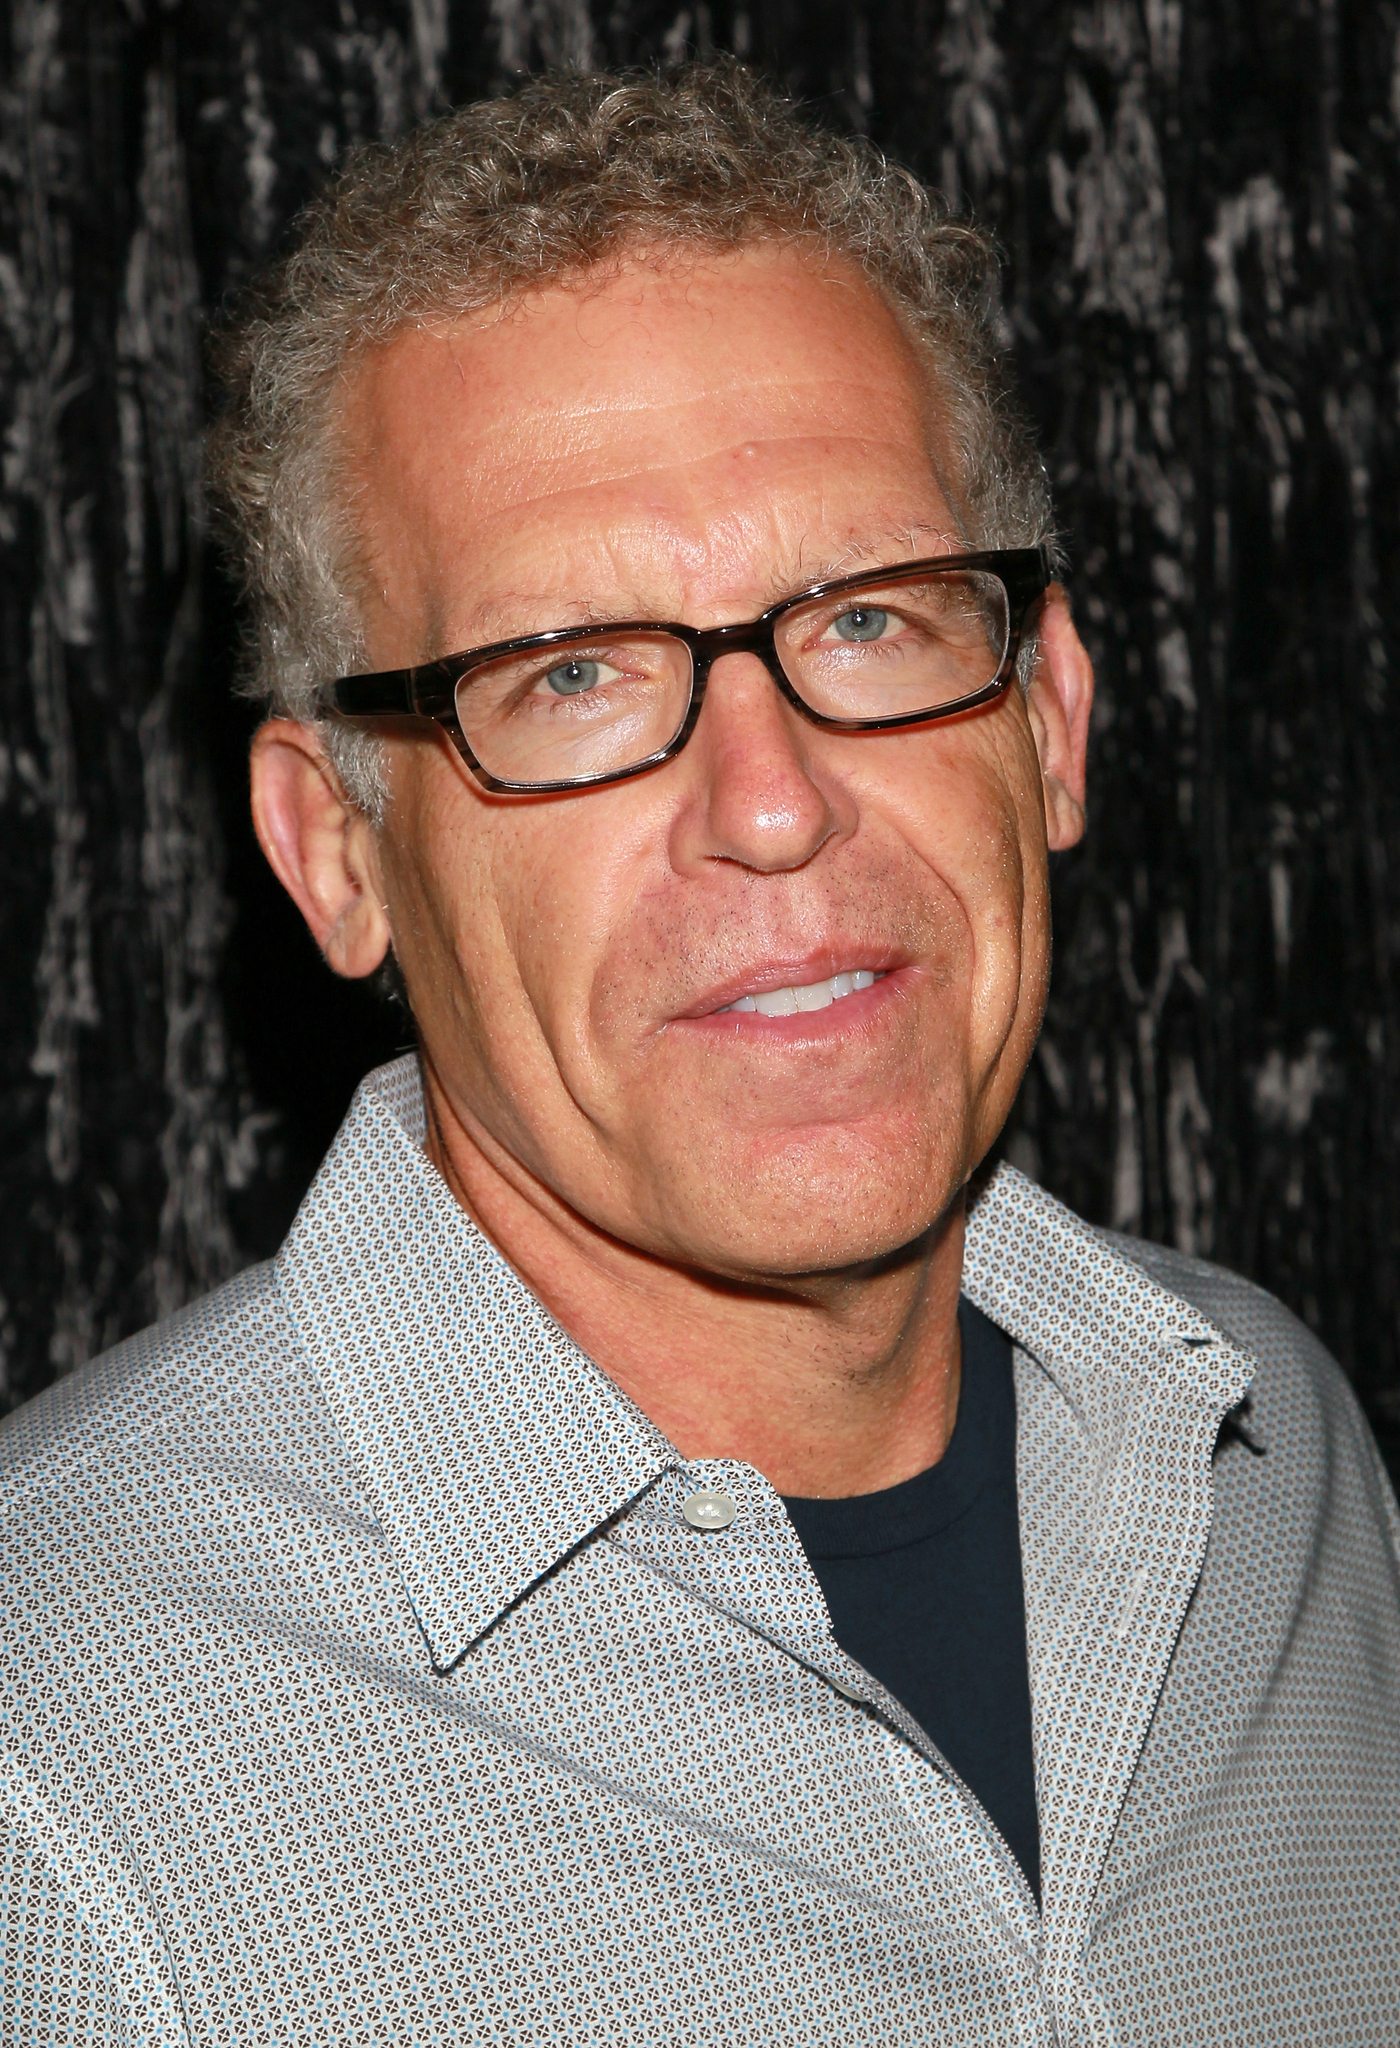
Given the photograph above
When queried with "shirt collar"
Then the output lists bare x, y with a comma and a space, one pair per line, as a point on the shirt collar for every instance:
1092, 1318
490, 1446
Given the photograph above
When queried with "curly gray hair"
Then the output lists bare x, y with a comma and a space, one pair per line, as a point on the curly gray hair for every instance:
506, 195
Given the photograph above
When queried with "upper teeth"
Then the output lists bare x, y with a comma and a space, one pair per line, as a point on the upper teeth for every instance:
814, 995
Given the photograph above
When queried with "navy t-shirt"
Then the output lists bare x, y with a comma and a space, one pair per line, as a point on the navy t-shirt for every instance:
923, 1583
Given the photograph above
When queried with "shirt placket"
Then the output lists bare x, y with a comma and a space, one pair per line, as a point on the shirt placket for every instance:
755, 1570
1105, 1601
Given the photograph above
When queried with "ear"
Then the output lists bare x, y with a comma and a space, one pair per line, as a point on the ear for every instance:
1061, 696
320, 846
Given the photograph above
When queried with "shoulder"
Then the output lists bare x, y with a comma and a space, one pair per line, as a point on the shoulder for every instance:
221, 1383
180, 1497
138, 1543
140, 1385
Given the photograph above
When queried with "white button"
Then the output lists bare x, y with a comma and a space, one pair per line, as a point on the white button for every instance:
709, 1510
847, 1692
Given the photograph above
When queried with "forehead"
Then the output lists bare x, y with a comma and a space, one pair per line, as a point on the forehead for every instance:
698, 429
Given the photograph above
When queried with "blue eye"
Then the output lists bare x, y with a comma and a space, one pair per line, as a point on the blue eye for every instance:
570, 678
862, 622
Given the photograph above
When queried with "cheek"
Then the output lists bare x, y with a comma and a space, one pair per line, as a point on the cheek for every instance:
440, 862
968, 805
564, 881
505, 915
962, 814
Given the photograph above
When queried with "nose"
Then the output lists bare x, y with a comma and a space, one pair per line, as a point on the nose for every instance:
759, 795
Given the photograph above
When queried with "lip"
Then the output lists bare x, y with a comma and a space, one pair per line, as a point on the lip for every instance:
760, 980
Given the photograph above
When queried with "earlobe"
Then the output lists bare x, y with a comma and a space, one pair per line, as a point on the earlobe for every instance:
319, 845
1061, 698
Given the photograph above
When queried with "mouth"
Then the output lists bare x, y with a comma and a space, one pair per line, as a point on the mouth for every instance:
804, 997
787, 995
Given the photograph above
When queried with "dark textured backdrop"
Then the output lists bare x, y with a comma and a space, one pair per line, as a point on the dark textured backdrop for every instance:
1198, 202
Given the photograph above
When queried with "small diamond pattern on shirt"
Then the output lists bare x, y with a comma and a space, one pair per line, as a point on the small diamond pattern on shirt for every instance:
364, 1683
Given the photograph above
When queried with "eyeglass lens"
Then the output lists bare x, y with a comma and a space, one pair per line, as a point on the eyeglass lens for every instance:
601, 702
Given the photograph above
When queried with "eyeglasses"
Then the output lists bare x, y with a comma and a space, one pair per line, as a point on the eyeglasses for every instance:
589, 705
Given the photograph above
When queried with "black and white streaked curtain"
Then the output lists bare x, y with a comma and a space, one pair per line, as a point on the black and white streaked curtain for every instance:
1199, 203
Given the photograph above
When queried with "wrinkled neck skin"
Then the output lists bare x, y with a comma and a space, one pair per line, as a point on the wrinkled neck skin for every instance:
829, 1383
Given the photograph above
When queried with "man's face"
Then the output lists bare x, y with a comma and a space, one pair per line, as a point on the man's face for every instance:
693, 441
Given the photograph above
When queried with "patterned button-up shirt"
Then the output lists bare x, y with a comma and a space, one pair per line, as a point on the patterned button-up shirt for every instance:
363, 1680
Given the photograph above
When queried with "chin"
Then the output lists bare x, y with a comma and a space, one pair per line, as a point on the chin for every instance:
800, 1209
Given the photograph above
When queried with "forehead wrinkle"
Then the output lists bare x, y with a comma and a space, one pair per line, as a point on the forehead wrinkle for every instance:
560, 478
803, 398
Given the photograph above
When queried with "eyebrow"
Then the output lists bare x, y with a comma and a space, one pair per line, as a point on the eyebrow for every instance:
880, 550
500, 618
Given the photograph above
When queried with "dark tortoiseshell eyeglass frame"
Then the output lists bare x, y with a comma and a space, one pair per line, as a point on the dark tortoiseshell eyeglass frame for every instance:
429, 690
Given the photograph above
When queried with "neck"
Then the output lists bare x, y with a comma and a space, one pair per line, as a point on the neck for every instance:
829, 1385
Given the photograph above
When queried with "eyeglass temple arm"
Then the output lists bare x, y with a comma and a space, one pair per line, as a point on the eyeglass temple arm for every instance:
424, 692
1028, 582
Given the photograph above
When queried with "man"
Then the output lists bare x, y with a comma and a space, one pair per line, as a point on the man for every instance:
653, 1560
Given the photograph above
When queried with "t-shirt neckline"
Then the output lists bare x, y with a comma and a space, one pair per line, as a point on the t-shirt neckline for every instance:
871, 1524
